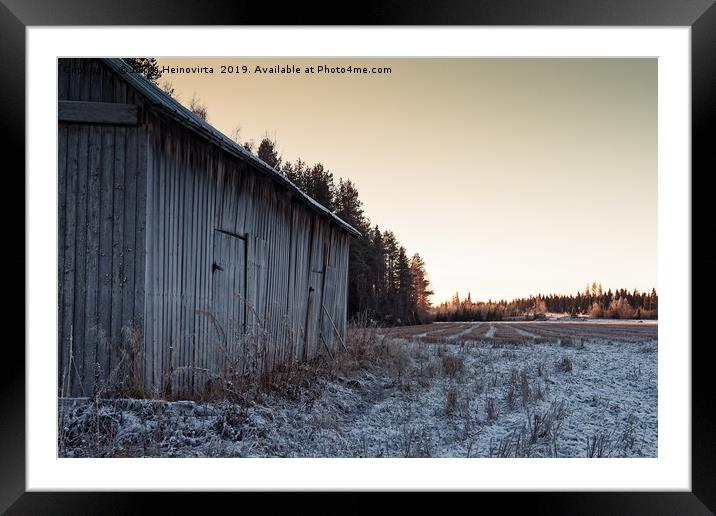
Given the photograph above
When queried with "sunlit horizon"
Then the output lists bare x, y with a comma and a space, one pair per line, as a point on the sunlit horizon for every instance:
510, 177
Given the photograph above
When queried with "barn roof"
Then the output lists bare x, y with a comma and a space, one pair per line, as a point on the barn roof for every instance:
156, 96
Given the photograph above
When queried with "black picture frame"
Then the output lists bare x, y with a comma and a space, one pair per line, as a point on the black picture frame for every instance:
699, 15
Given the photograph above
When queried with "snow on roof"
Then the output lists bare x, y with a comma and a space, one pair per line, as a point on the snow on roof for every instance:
156, 96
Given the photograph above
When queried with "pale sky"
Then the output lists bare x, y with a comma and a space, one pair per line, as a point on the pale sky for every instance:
509, 176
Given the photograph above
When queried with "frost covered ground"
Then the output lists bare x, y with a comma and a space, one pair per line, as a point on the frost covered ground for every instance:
452, 390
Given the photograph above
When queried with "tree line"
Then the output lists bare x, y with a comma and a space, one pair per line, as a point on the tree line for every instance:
594, 302
385, 285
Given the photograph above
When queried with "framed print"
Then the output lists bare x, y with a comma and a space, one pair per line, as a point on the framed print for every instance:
353, 258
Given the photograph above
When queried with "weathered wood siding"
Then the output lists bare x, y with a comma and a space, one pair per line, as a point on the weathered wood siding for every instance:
231, 260
217, 267
101, 240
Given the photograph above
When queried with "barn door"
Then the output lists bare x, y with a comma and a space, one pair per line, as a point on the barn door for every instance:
228, 273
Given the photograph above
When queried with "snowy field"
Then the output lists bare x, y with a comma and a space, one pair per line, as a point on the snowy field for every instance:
517, 389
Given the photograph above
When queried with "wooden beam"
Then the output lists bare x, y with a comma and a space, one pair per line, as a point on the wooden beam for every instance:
97, 112
326, 346
334, 327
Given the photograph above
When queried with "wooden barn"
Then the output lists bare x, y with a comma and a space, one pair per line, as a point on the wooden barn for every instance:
181, 254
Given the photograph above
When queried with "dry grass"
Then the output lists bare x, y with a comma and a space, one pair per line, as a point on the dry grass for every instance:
503, 448
450, 400
565, 365
425, 372
491, 408
599, 445
381, 364
524, 387
127, 378
510, 396
452, 365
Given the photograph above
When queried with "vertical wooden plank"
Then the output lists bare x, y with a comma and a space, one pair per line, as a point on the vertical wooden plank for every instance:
68, 275
296, 267
250, 265
120, 91
309, 295
185, 264
324, 272
163, 294
129, 221
63, 79
107, 208
92, 258
77, 331
207, 177
272, 274
344, 284
108, 83
195, 278
211, 178
231, 297
170, 293
118, 229
63, 347
241, 288
157, 268
241, 273
262, 289
199, 306
295, 277
213, 246
217, 303
172, 263
177, 199
140, 236
104, 287
83, 79
150, 271
79, 89
92, 247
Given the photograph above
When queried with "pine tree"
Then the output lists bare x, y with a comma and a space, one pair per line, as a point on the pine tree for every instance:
147, 66
421, 288
347, 204
268, 153
376, 265
389, 298
404, 292
296, 173
320, 185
